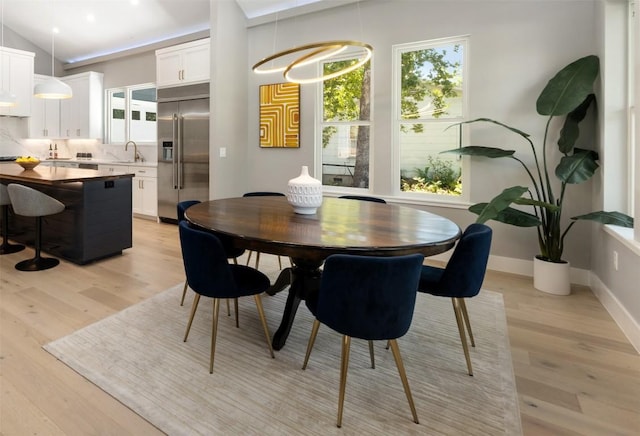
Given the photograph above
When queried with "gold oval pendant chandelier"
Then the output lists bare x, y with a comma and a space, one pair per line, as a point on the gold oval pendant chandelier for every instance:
309, 54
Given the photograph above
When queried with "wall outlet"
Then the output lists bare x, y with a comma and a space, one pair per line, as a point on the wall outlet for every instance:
223, 152
615, 260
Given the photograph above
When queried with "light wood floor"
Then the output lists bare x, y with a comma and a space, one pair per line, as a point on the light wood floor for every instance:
576, 373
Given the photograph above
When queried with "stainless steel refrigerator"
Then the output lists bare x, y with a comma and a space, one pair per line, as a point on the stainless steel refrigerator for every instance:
183, 147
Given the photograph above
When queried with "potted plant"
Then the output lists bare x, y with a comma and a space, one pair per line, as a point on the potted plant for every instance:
569, 94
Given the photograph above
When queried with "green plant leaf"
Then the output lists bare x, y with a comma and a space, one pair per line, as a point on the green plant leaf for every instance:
476, 150
569, 87
501, 202
603, 217
489, 120
571, 130
530, 202
578, 167
509, 216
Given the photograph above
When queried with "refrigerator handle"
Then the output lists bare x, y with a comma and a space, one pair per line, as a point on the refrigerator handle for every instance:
175, 159
180, 153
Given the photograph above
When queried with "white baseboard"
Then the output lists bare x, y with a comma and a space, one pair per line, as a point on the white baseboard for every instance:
578, 276
522, 267
618, 312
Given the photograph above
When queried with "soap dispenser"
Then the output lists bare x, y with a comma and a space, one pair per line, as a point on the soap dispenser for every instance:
50, 151
55, 151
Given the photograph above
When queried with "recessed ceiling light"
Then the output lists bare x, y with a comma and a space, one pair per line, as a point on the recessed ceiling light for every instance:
91, 18
135, 2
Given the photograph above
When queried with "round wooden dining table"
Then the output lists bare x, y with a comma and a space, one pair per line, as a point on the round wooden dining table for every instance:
340, 226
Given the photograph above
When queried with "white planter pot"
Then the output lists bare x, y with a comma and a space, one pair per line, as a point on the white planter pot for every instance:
551, 277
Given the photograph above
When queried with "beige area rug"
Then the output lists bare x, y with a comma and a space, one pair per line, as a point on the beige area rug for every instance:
138, 357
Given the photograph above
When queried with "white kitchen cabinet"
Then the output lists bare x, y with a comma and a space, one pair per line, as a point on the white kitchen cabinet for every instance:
81, 116
45, 114
145, 190
17, 77
183, 64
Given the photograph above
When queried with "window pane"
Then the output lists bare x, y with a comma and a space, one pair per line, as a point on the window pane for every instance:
340, 153
142, 125
117, 122
345, 127
432, 82
430, 93
422, 167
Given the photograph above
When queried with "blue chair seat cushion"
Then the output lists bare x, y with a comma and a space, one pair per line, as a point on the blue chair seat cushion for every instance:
430, 277
250, 281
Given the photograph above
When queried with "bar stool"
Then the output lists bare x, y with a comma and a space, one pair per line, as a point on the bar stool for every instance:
27, 201
5, 201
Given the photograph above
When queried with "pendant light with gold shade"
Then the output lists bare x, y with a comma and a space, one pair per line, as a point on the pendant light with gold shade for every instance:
52, 88
7, 99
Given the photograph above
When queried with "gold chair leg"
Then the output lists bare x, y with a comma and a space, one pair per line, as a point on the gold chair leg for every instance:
465, 315
279, 262
463, 338
373, 359
228, 308
249, 257
403, 376
264, 323
257, 259
184, 293
214, 331
193, 312
235, 307
312, 339
344, 366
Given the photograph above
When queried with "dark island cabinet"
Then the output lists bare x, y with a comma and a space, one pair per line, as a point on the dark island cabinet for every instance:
96, 223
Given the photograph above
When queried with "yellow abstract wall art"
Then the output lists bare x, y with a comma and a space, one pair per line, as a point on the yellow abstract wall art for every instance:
280, 115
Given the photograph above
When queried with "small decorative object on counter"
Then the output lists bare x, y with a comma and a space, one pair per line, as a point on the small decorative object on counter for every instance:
50, 151
304, 193
55, 151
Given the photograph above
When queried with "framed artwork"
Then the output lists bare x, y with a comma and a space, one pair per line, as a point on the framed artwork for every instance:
280, 115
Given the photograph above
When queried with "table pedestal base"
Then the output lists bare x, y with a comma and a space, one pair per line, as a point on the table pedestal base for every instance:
304, 278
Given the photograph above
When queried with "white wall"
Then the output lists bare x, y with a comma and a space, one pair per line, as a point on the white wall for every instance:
515, 47
228, 125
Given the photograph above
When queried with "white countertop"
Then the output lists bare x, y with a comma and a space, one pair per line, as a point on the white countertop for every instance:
103, 162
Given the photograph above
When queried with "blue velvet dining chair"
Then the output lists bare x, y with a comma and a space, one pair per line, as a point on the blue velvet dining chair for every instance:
461, 278
210, 274
262, 194
232, 252
366, 297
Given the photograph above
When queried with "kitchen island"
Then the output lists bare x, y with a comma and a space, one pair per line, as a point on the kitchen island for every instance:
96, 222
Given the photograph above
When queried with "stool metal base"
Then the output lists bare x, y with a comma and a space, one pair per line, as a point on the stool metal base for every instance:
37, 264
10, 248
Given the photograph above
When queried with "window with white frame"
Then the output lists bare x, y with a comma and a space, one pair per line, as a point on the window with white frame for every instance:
131, 114
345, 125
429, 95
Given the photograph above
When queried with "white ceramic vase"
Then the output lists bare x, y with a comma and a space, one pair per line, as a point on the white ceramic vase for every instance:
304, 193
551, 277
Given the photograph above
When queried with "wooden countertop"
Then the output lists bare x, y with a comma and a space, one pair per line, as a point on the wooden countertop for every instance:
47, 175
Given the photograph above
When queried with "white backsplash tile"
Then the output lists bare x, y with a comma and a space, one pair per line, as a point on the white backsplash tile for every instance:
13, 132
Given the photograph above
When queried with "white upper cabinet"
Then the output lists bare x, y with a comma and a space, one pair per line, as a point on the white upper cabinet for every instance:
81, 116
17, 77
183, 64
45, 114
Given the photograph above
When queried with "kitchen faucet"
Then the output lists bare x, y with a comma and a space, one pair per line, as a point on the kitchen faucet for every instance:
136, 156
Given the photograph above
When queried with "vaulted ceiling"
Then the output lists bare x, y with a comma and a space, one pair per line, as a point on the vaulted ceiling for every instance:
93, 28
